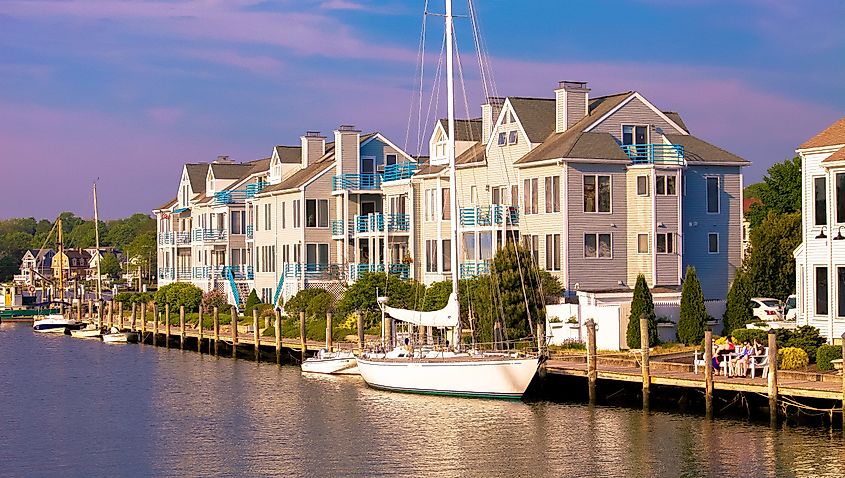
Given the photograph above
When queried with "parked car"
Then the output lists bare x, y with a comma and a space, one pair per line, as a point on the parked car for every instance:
766, 309
790, 309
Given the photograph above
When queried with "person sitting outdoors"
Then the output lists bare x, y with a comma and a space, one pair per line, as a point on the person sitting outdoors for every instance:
725, 349
739, 365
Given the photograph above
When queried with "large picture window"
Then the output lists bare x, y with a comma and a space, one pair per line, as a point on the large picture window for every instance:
552, 185
552, 252
596, 193
316, 213
598, 246
713, 195
840, 197
821, 290
820, 200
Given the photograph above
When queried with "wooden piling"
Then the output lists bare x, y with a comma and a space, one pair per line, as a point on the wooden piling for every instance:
541, 337
79, 310
182, 326
143, 319
120, 315
592, 369
329, 331
132, 318
111, 313
199, 329
99, 314
278, 329
155, 323
302, 333
91, 310
644, 345
360, 331
215, 325
167, 325
843, 385
256, 334
234, 326
708, 373
773, 378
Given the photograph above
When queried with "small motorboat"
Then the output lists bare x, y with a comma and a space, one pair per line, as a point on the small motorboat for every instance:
90, 331
336, 363
54, 324
115, 336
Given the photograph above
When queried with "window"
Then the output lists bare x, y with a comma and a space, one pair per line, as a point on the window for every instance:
447, 255
642, 243
469, 246
316, 213
430, 204
513, 137
634, 134
642, 185
712, 195
840, 197
238, 218
368, 165
552, 252
665, 186
529, 195
821, 290
390, 159
473, 195
503, 137
296, 216
445, 204
596, 193
820, 199
317, 254
267, 217
713, 243
598, 246
283, 214
532, 244
665, 243
840, 291
485, 246
552, 184
431, 255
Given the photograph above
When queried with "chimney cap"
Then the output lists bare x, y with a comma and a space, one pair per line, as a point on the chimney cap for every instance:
495, 100
572, 85
223, 158
313, 134
348, 128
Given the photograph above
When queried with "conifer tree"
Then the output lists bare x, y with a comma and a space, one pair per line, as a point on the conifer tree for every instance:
693, 312
643, 303
738, 310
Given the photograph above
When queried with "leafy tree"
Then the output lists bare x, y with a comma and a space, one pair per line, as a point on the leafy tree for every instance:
178, 294
83, 235
110, 265
251, 302
738, 311
437, 295
214, 298
643, 303
314, 302
780, 191
770, 265
693, 314
361, 296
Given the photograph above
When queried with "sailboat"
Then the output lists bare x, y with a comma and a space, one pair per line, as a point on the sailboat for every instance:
93, 331
57, 322
472, 373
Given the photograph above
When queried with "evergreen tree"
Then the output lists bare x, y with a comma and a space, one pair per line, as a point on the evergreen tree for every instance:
693, 312
643, 303
738, 310
251, 302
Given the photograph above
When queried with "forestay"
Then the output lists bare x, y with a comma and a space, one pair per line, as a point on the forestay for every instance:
445, 317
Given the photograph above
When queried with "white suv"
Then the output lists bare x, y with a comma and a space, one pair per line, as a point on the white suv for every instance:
766, 309
790, 309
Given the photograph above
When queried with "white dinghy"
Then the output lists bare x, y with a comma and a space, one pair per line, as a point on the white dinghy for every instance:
115, 336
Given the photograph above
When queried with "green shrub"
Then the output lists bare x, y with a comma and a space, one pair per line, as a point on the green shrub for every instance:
826, 353
738, 311
251, 302
642, 304
314, 302
741, 335
572, 344
214, 298
178, 294
806, 338
133, 297
792, 358
693, 313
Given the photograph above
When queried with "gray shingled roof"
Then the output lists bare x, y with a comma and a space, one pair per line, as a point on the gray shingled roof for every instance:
676, 118
196, 175
230, 171
574, 143
465, 129
166, 205
537, 116
698, 150
289, 154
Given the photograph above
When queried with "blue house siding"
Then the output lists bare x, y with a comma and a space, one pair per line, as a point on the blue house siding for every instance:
715, 271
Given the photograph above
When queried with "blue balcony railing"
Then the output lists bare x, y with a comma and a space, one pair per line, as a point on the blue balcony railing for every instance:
232, 196
201, 272
356, 182
395, 172
472, 269
250, 231
338, 227
240, 272
398, 222
183, 237
183, 273
166, 238
497, 214
209, 235
377, 222
166, 273
314, 271
672, 154
403, 271
252, 189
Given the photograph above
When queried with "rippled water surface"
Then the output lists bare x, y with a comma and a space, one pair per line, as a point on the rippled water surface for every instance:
70, 407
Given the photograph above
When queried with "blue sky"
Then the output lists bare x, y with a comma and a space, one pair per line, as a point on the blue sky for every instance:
129, 91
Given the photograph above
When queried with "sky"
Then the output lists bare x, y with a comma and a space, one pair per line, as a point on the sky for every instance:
126, 92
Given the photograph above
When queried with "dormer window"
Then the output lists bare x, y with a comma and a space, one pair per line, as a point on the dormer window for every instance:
503, 137
513, 137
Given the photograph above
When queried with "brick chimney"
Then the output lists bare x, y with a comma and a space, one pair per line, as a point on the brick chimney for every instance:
347, 149
571, 100
489, 113
313, 147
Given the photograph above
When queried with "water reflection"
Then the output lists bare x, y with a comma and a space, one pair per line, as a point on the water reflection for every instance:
143, 410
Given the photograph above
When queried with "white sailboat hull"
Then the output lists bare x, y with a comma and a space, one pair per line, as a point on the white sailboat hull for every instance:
338, 363
54, 323
459, 376
120, 337
86, 333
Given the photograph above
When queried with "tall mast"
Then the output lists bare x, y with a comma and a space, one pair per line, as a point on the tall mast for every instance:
97, 242
60, 247
450, 144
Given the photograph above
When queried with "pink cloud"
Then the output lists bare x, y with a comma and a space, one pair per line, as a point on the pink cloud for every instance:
260, 64
341, 5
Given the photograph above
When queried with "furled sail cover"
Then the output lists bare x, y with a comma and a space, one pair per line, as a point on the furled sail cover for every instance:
445, 317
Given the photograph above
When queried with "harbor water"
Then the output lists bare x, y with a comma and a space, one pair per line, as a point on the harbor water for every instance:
72, 407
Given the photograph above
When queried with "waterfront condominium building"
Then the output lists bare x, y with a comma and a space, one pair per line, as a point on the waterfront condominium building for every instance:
600, 190
820, 259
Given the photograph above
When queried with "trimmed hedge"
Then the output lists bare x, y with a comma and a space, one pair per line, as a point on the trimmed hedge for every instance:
792, 358
826, 353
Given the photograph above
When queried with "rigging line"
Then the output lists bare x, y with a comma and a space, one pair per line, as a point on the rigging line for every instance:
485, 55
476, 33
435, 93
420, 70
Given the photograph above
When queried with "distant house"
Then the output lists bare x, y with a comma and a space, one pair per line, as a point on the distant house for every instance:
35, 262
97, 255
74, 263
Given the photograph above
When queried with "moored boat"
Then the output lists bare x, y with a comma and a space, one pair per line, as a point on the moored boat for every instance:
115, 336
337, 363
54, 323
90, 331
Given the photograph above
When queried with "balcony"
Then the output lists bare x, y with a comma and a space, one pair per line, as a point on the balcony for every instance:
356, 182
239, 272
183, 237
497, 214
209, 235
165, 239
166, 273
471, 269
668, 154
377, 222
338, 228
395, 172
233, 196
252, 189
403, 271
184, 273
201, 272
250, 232
314, 271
